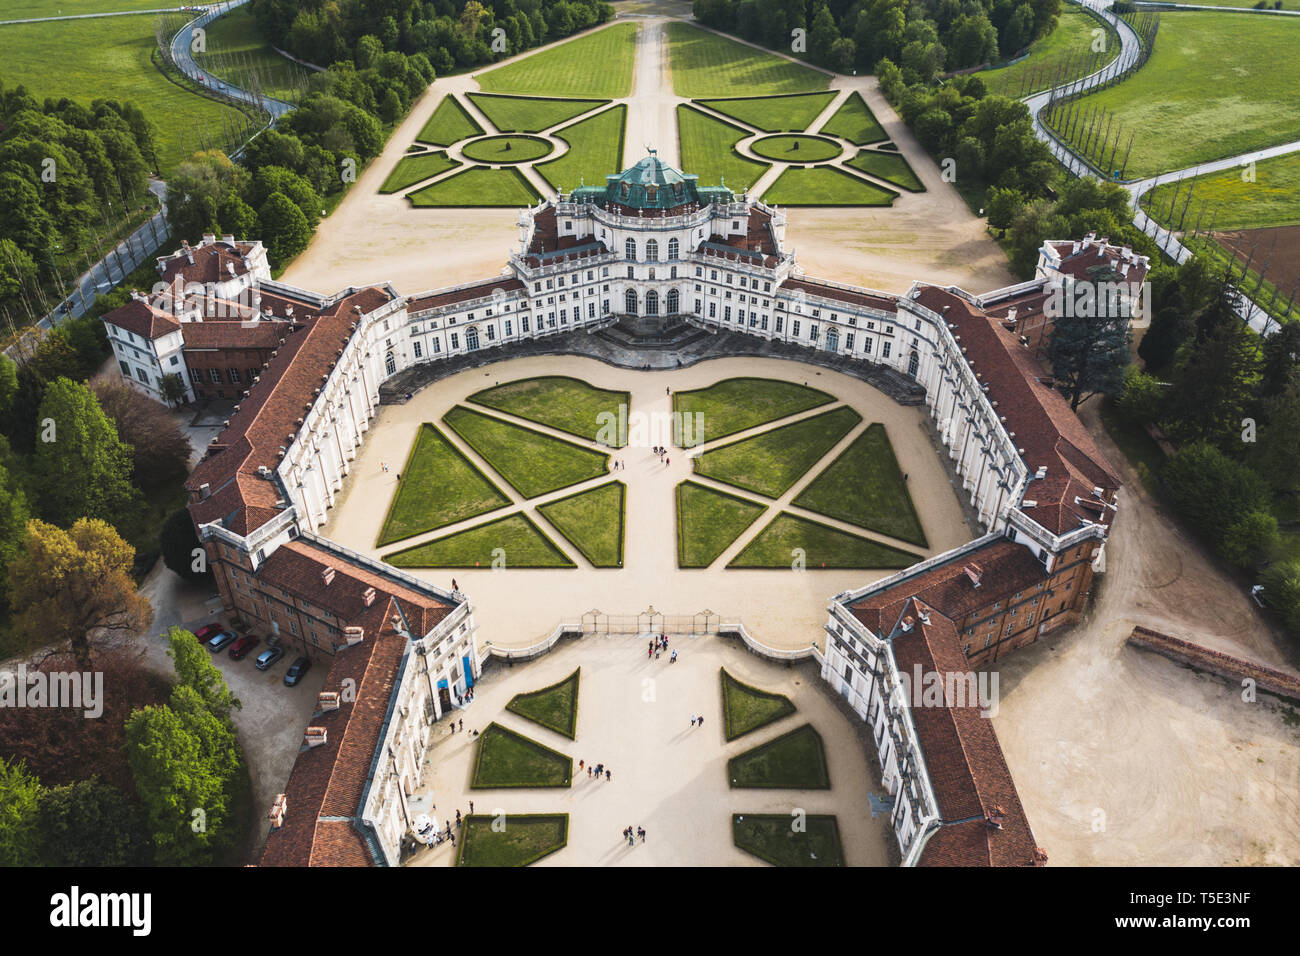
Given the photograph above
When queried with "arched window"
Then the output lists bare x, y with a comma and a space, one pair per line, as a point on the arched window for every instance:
652, 301
390, 364
672, 301
471, 338
913, 363
629, 300
652, 250
673, 248
629, 249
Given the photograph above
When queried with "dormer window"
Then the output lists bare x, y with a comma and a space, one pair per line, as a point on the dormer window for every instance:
651, 192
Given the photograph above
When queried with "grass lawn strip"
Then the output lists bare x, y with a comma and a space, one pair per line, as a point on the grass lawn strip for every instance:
772, 837
413, 169
746, 708
525, 839
595, 148
793, 761
706, 64
560, 402
817, 546
507, 760
735, 404
774, 114
478, 186
825, 186
554, 707
449, 124
1273, 199
708, 521
513, 541
855, 122
1068, 44
599, 63
592, 521
534, 464
890, 167
709, 150
529, 114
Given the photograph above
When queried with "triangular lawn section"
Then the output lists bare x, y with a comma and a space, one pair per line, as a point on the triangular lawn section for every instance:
793, 761
826, 186
890, 167
529, 114
477, 186
450, 123
746, 708
511, 542
554, 707
774, 114
595, 147
820, 547
770, 837
561, 402
507, 760
735, 404
528, 838
708, 521
592, 521
855, 122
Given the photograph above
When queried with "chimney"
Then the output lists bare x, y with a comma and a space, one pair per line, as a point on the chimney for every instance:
368, 596
328, 700
326, 576
315, 736
228, 239
974, 573
205, 490
353, 635
208, 239
906, 623
278, 811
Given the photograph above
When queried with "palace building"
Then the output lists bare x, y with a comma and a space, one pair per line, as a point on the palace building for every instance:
650, 250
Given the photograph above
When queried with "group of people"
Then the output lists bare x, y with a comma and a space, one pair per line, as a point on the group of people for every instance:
657, 646
663, 455
596, 770
629, 833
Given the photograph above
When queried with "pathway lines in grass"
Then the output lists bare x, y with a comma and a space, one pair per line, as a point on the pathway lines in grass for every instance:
796, 149
534, 464
793, 761
592, 521
735, 404
238, 52
890, 167
1272, 199
708, 148
855, 122
554, 707
771, 837
525, 838
507, 760
564, 403
414, 169
708, 521
529, 114
1069, 44
510, 542
774, 114
439, 486
595, 150
746, 708
825, 186
817, 546
864, 486
477, 186
506, 149
599, 63
706, 64
770, 462
449, 124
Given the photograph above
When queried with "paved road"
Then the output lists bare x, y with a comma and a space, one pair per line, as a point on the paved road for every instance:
182, 56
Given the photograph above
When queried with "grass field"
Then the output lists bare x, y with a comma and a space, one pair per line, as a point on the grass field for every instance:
25, 9
855, 122
735, 404
592, 521
769, 463
438, 487
554, 707
525, 839
708, 149
599, 63
507, 149
478, 186
1211, 89
772, 837
890, 167
1273, 199
86, 60
449, 124
534, 464
510, 760
413, 169
563, 403
705, 64
595, 151
865, 487
708, 521
774, 114
825, 186
509, 542
522, 114
793, 761
796, 149
238, 53
816, 546
746, 708
1066, 53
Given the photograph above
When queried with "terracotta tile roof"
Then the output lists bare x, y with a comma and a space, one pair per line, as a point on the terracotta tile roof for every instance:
212, 263
422, 303
221, 334
143, 319
813, 287
1097, 260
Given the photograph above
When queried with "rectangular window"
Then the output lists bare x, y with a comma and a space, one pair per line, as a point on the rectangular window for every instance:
713, 310
726, 314
509, 329
234, 376
126, 369
455, 341
419, 351
848, 341
492, 333
214, 374
780, 321
437, 345
794, 328
523, 322
884, 352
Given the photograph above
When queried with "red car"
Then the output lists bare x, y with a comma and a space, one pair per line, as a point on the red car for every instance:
239, 650
207, 632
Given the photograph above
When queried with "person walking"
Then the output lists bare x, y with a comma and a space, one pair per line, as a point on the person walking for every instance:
457, 819
701, 719
640, 831
581, 764
609, 775
462, 723
471, 806
590, 771
672, 659
692, 720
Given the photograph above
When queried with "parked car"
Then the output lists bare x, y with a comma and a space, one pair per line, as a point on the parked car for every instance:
221, 641
297, 670
239, 650
207, 632
268, 657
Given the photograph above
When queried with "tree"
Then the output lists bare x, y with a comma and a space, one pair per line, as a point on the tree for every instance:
1088, 347
178, 540
194, 669
1213, 378
89, 823
1141, 397
197, 190
14, 516
173, 388
20, 795
1003, 206
973, 41
160, 450
8, 384
1217, 495
1281, 583
285, 229
822, 35
67, 587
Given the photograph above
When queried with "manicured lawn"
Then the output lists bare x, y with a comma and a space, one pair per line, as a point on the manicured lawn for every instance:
413, 169
746, 708
855, 122
773, 837
796, 149
595, 151
507, 149
438, 487
1068, 45
564, 403
818, 546
554, 707
793, 761
705, 64
595, 64
534, 464
25, 9
449, 124
108, 58
774, 114
524, 114
510, 760
510, 542
239, 53
1212, 88
592, 521
735, 404
478, 186
525, 838
865, 487
708, 150
825, 186
708, 521
1273, 199
888, 166
769, 463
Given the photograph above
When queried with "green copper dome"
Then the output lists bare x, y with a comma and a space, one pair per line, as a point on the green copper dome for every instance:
651, 184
